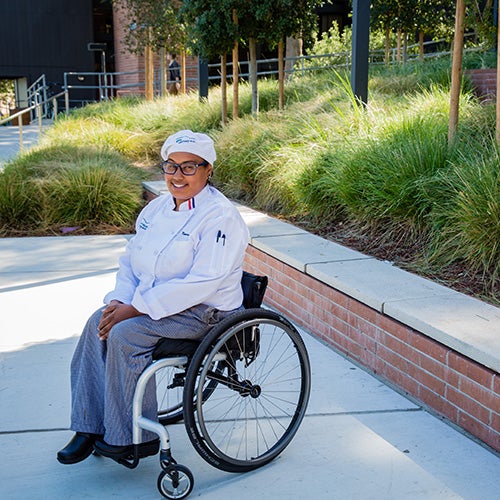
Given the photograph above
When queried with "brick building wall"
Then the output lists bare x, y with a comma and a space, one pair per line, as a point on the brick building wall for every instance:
125, 62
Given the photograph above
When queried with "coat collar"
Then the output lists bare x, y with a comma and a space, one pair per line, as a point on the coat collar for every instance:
192, 203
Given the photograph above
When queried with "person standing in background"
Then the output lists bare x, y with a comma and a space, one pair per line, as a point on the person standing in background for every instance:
175, 76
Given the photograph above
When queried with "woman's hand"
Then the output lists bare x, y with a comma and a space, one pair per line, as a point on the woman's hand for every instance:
113, 314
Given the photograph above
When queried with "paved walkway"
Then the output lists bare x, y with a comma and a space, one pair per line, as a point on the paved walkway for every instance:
359, 439
9, 139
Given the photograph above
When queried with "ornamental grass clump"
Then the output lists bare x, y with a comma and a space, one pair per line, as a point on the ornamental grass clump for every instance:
91, 194
99, 134
240, 149
466, 219
21, 206
49, 188
385, 177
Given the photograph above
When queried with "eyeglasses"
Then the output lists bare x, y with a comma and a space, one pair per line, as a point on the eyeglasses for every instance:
187, 167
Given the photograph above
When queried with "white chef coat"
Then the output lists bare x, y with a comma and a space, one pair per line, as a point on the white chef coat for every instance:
178, 259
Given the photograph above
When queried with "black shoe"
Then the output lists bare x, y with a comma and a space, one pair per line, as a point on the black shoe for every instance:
78, 449
126, 452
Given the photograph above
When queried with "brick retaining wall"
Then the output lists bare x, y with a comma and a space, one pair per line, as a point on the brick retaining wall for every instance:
448, 383
484, 83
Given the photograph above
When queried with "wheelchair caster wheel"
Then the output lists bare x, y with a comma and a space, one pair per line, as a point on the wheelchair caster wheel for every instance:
175, 482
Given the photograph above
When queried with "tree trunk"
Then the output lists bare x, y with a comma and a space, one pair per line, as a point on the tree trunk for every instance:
235, 72
387, 46
223, 87
149, 73
421, 46
398, 51
293, 50
405, 47
456, 69
163, 72
252, 46
281, 75
183, 72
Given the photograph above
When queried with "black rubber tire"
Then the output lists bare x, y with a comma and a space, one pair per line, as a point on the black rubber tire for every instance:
202, 421
165, 478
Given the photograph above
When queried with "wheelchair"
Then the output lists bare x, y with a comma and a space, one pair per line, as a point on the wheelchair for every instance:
242, 392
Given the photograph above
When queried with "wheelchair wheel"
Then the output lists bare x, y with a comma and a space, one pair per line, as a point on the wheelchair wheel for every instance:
175, 482
259, 393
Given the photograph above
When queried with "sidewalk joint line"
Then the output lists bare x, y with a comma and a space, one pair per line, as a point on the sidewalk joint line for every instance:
333, 414
27, 431
365, 412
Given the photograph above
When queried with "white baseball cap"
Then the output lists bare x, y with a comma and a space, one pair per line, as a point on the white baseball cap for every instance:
187, 141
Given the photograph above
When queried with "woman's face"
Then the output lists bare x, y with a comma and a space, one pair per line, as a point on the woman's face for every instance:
183, 187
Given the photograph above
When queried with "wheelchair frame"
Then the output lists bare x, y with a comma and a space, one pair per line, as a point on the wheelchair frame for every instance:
231, 358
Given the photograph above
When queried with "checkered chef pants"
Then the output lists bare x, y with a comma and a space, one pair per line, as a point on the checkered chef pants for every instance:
104, 373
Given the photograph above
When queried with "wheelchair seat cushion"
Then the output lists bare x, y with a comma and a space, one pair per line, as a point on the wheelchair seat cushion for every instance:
175, 347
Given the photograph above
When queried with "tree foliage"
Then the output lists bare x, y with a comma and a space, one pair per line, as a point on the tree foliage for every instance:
153, 23
211, 30
433, 17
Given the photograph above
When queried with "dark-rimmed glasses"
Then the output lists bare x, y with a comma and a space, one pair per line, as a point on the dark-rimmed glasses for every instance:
186, 167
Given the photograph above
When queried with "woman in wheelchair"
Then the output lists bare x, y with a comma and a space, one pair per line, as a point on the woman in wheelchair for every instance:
180, 275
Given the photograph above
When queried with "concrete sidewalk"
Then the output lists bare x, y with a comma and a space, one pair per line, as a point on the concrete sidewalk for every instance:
9, 139
359, 440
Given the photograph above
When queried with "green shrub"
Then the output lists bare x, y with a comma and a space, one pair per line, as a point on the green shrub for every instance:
466, 219
68, 185
385, 178
412, 77
99, 134
91, 195
240, 149
317, 186
20, 201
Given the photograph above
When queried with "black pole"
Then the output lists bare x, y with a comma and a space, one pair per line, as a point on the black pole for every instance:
360, 48
495, 22
202, 78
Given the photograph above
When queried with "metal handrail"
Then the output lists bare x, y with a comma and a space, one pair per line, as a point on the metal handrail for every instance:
37, 106
38, 90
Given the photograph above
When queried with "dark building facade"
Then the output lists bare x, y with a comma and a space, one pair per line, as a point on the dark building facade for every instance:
51, 37
336, 11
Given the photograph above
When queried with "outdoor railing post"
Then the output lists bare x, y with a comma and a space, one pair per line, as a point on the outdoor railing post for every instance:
40, 124
20, 122
66, 101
